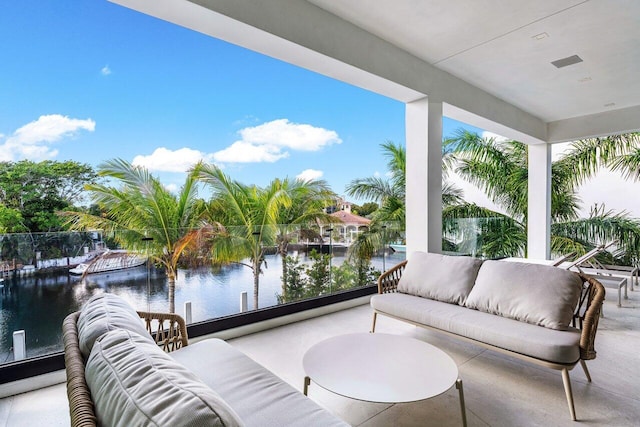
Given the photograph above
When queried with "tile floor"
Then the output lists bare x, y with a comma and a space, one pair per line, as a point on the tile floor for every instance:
499, 390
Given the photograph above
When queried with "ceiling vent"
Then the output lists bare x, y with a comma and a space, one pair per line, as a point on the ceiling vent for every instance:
565, 62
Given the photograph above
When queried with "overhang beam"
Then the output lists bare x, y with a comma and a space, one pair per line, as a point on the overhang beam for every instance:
303, 34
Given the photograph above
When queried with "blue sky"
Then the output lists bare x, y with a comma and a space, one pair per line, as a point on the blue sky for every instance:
90, 81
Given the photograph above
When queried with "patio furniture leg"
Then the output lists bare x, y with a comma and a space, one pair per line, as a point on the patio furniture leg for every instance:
307, 382
620, 293
462, 407
626, 286
567, 389
584, 368
373, 327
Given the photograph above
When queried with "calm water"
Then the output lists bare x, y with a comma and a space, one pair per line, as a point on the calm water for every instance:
38, 305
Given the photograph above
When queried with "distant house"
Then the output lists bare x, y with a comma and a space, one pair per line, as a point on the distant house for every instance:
340, 204
351, 225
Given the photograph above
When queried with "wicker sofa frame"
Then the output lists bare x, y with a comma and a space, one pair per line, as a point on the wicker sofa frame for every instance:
585, 318
168, 330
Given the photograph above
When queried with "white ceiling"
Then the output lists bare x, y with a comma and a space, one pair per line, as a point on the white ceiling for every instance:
490, 44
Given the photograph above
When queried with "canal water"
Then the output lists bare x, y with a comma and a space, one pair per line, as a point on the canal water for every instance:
38, 305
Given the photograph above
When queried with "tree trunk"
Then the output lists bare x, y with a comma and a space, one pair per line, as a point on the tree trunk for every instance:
256, 283
172, 292
285, 271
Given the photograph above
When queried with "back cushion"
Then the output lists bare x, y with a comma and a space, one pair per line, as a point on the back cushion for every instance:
538, 294
439, 277
134, 383
103, 313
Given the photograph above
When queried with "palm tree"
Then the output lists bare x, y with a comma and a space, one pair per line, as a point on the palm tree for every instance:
143, 215
245, 219
627, 162
308, 200
500, 169
390, 194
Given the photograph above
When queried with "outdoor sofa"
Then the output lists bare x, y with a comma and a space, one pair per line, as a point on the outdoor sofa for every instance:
119, 375
542, 314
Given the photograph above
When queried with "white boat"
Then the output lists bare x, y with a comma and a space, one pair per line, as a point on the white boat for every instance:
398, 248
109, 261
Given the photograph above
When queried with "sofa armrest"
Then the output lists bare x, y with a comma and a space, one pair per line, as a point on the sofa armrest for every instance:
587, 315
80, 403
167, 329
388, 281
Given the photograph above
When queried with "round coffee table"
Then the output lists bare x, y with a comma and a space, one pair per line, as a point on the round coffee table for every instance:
381, 368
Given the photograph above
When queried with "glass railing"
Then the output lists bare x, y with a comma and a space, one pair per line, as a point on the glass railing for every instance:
488, 238
45, 277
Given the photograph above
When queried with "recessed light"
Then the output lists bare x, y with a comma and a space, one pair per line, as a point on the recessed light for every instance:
611, 104
584, 79
565, 62
540, 36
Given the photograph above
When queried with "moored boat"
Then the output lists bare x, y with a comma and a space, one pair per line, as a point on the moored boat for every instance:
111, 260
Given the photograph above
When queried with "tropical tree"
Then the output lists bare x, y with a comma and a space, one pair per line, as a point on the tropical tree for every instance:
389, 193
300, 218
246, 219
500, 169
38, 190
142, 215
627, 162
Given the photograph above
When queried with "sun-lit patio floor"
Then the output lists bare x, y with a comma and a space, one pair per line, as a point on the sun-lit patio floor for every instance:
499, 390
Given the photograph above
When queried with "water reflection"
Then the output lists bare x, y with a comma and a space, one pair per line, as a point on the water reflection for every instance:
38, 305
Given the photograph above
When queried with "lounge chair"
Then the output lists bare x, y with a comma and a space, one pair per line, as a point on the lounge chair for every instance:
622, 276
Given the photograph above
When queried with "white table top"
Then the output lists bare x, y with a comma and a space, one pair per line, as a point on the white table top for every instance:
380, 367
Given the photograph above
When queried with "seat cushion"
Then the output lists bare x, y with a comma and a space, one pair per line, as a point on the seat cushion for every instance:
439, 277
259, 397
524, 338
134, 383
104, 313
538, 294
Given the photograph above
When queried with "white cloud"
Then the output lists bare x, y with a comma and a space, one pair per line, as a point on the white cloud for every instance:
31, 140
246, 152
269, 142
376, 174
166, 160
105, 71
174, 188
309, 175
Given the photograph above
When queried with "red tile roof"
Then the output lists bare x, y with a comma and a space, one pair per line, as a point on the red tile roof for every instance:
349, 218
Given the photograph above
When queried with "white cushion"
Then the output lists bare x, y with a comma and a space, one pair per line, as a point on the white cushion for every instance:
524, 338
538, 294
134, 383
439, 277
103, 313
259, 397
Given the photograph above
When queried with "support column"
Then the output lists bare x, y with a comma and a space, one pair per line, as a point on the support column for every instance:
423, 121
539, 202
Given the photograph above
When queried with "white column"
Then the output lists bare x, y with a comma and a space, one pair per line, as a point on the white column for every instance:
423, 121
539, 199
